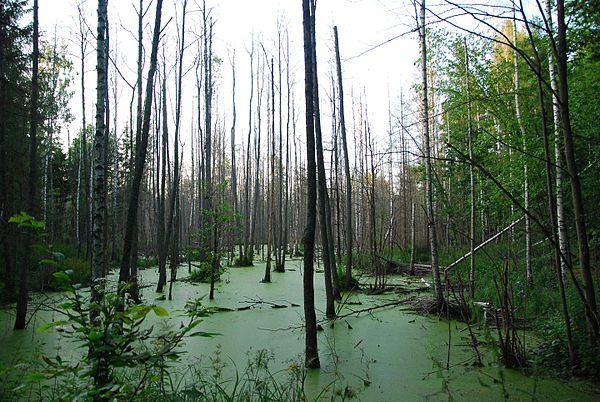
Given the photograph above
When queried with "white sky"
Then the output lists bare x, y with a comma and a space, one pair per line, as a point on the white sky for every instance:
361, 24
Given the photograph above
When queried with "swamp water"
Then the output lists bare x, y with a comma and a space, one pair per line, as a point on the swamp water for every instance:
387, 354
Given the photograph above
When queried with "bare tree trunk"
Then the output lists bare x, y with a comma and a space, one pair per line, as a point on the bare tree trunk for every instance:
563, 237
287, 151
279, 238
472, 180
256, 167
584, 250
267, 277
115, 171
234, 191
174, 188
208, 191
321, 180
22, 296
83, 32
140, 157
99, 257
175, 249
163, 243
412, 240
439, 297
525, 167
349, 235
311, 348
549, 192
246, 252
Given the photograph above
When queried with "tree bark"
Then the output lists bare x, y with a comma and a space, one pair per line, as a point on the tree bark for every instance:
528, 269
99, 258
23, 295
271, 212
472, 180
576, 193
324, 220
439, 297
140, 157
311, 348
349, 235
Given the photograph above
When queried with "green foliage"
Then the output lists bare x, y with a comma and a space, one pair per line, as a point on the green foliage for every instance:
216, 221
552, 353
344, 285
256, 383
117, 342
207, 268
243, 261
45, 259
147, 262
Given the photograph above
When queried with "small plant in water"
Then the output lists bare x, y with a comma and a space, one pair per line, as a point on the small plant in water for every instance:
124, 358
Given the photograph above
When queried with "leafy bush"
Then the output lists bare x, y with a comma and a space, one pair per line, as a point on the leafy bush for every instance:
79, 270
344, 285
243, 261
203, 271
147, 262
117, 344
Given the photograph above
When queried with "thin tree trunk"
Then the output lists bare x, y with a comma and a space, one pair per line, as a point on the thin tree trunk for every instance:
247, 230
563, 237
163, 242
174, 189
234, 191
349, 235
412, 239
311, 348
322, 181
472, 180
99, 257
576, 193
528, 269
551, 203
270, 235
439, 297
22, 296
83, 138
140, 158
115, 173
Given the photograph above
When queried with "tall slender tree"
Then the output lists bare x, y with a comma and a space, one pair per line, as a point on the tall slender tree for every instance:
349, 235
310, 319
324, 218
140, 158
22, 296
431, 218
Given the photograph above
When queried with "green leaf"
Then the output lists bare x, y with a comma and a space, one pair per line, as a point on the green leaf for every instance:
37, 224
159, 311
45, 327
20, 218
60, 274
36, 377
205, 334
47, 261
51, 325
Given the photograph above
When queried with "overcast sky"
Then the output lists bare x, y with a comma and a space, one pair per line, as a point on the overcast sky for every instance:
377, 74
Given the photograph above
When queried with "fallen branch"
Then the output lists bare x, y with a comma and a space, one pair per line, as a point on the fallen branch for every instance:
494, 237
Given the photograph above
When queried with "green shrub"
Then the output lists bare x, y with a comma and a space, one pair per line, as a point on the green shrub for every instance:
147, 262
344, 285
80, 269
243, 261
203, 271
117, 345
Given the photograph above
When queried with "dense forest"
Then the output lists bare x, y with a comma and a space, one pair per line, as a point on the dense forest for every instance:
481, 182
